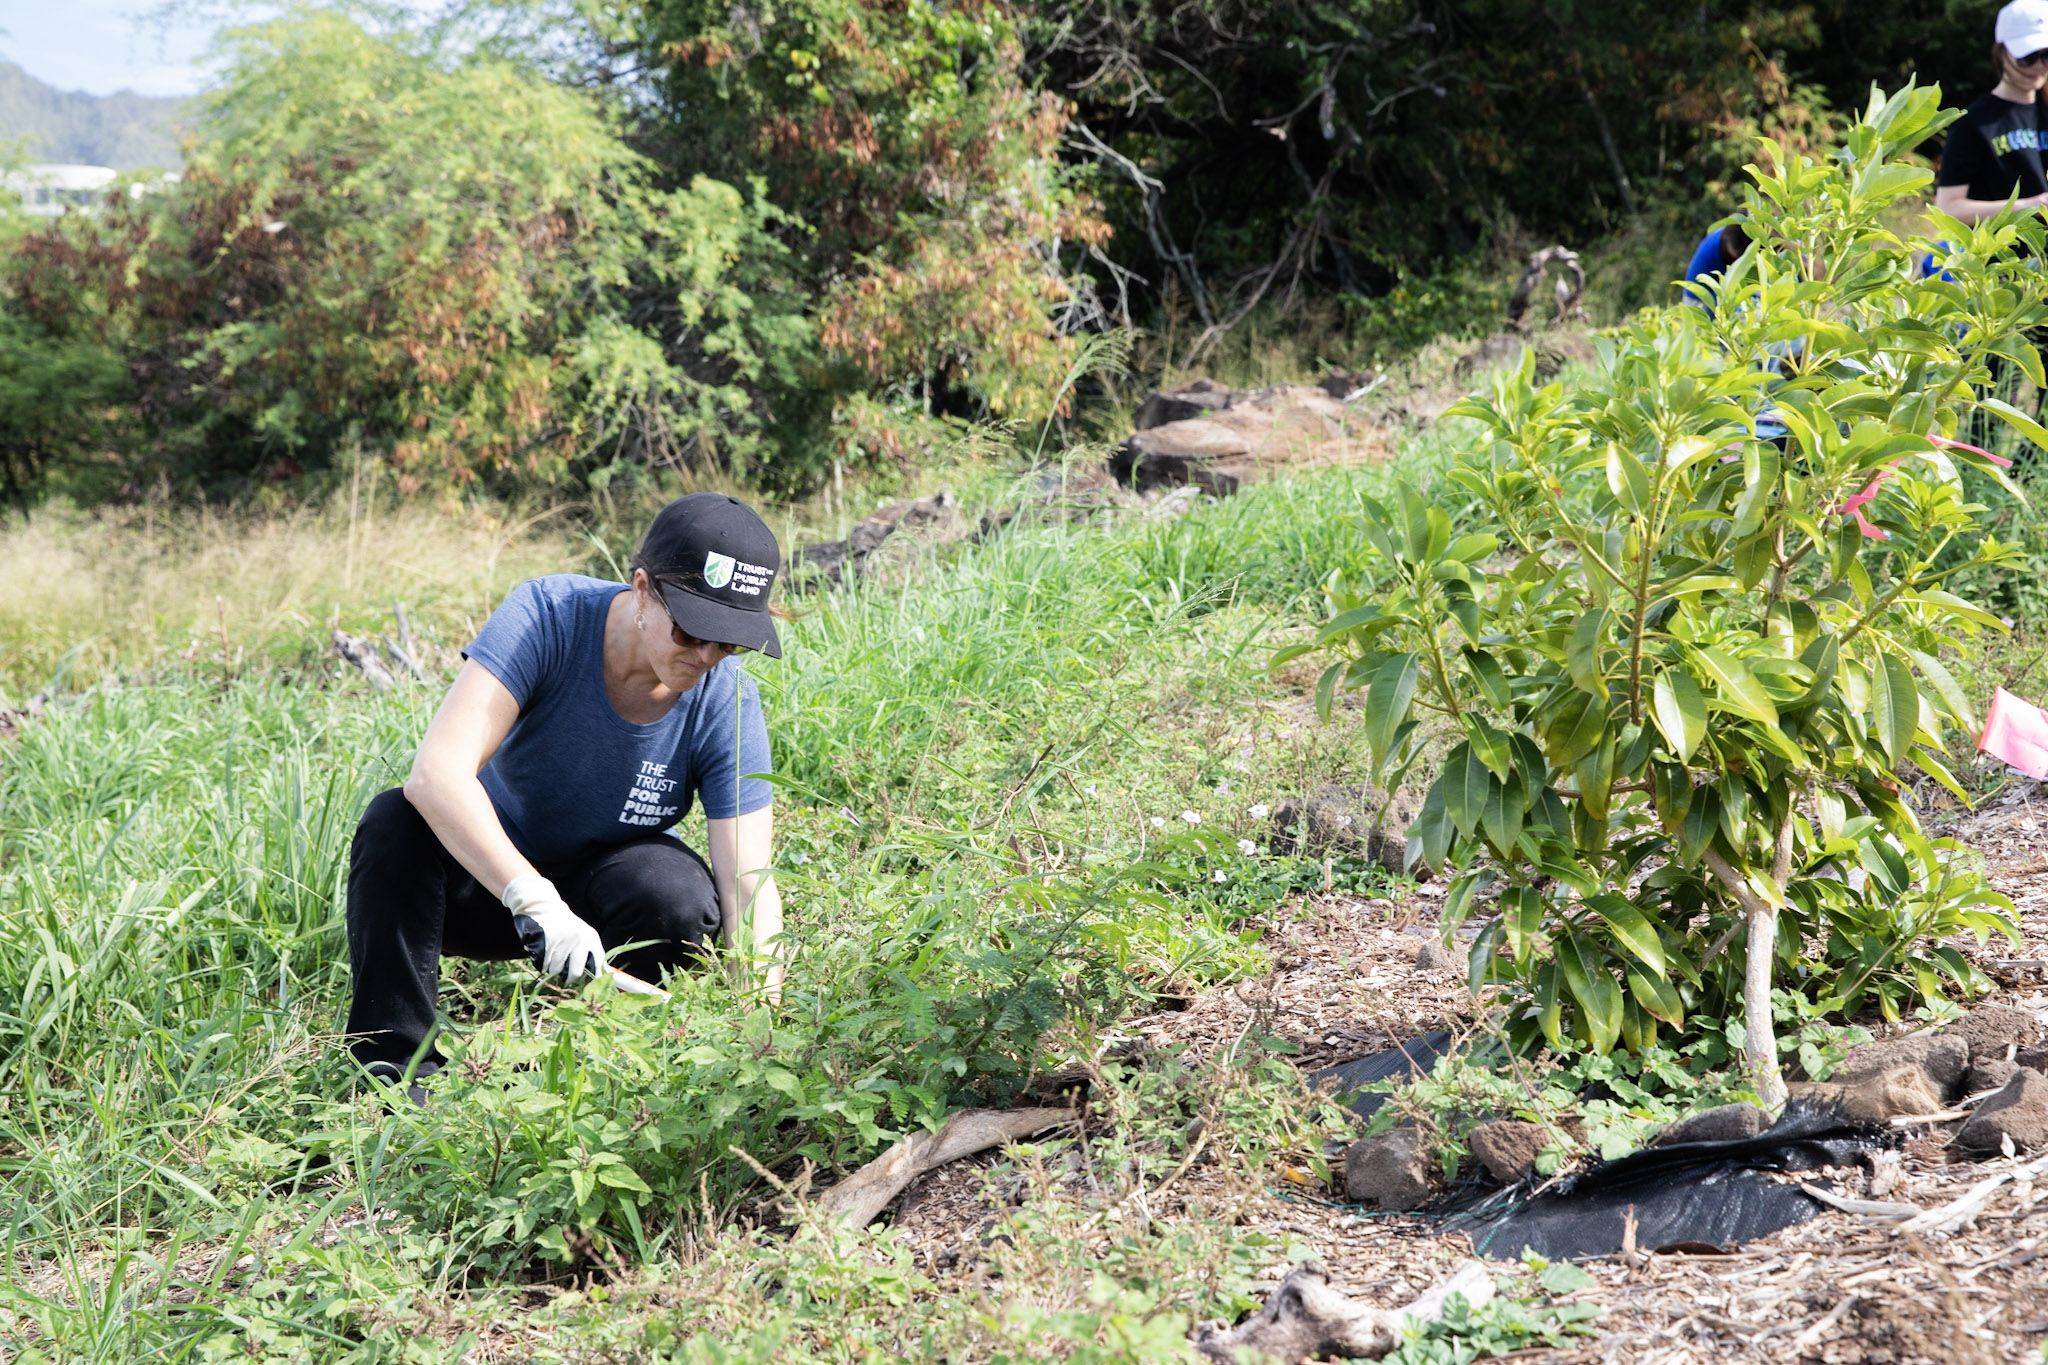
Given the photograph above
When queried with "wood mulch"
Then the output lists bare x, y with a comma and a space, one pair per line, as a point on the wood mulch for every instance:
1834, 1291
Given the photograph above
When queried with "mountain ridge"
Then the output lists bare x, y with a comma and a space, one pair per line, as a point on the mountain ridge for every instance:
126, 131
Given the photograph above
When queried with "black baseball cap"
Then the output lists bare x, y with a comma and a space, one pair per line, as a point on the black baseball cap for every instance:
714, 561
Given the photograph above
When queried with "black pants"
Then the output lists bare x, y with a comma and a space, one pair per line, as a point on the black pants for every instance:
410, 902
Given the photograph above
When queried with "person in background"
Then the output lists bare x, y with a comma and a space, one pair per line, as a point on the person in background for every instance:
1993, 153
1719, 249
587, 717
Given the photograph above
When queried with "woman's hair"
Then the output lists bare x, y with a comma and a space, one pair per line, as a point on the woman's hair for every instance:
2002, 62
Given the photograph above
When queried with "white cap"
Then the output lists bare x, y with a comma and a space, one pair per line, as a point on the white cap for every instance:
2023, 26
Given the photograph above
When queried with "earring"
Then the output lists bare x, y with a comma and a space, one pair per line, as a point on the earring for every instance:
639, 618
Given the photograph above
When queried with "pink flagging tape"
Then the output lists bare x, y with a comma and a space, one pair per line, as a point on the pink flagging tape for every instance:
2016, 733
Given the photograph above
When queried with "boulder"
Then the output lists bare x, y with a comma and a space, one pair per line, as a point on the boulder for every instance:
1943, 1057
1354, 820
925, 522
2019, 1112
2033, 1058
1995, 1030
1392, 1171
1876, 1097
1989, 1074
1727, 1123
1196, 438
1508, 1147
1178, 405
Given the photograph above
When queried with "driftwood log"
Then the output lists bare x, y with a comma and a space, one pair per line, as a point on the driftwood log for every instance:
1305, 1317
857, 1199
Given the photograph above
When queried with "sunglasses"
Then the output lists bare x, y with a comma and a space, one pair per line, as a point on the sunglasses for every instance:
2035, 58
686, 640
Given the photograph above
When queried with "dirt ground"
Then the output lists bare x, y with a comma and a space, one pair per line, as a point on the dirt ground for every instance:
1838, 1290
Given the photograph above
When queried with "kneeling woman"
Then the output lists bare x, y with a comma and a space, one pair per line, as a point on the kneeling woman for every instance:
586, 718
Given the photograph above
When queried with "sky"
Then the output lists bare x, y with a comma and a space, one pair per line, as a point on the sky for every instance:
101, 46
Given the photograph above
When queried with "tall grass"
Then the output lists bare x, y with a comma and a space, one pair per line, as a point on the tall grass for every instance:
973, 761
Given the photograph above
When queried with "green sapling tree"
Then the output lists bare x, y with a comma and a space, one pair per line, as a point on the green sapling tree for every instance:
1678, 659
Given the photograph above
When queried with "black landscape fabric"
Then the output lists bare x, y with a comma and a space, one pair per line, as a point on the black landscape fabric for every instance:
1717, 1194
1712, 1193
1403, 1061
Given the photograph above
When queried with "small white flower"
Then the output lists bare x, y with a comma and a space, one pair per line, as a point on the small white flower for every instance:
1260, 811
1090, 789
1191, 817
1217, 876
800, 857
1223, 787
1343, 822
1247, 847
1159, 822
1240, 766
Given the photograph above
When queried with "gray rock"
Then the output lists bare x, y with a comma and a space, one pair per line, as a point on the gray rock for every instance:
2033, 1058
1995, 1030
1348, 820
1727, 1123
1193, 438
1178, 405
1875, 1097
1944, 1057
1991, 1073
1434, 957
1508, 1147
1392, 1171
2019, 1112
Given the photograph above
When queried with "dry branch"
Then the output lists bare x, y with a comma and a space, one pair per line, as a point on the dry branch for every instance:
1939, 1222
865, 1193
364, 656
1305, 1317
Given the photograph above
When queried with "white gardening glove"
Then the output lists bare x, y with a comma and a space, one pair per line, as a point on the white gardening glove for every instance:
560, 943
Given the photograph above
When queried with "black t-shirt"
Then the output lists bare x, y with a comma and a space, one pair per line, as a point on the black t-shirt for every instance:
1995, 150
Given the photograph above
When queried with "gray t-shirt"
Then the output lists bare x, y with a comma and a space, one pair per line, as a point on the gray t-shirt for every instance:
573, 774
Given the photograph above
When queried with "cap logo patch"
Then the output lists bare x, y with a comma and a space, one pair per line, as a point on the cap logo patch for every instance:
717, 569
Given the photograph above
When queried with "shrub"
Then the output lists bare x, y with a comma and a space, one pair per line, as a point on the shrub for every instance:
1679, 666
457, 268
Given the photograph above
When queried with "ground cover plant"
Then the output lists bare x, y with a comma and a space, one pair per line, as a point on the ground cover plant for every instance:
1680, 658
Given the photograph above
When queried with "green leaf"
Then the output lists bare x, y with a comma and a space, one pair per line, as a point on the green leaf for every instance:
1671, 793
1550, 1004
1945, 687
1632, 928
1429, 838
1657, 996
1493, 683
1895, 706
1465, 785
1679, 710
1575, 727
1387, 700
1495, 747
1582, 654
1502, 816
1628, 480
1598, 998
1737, 687
1562, 1277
